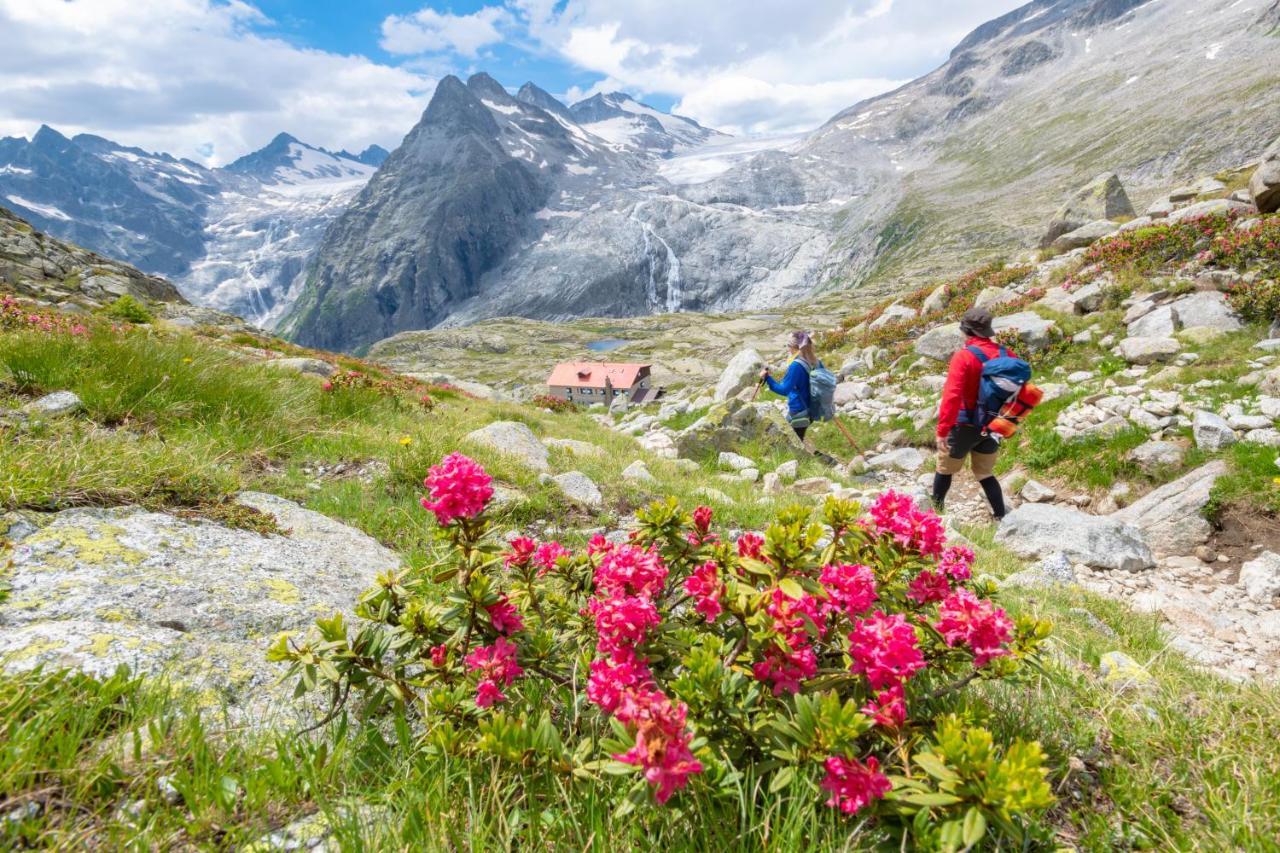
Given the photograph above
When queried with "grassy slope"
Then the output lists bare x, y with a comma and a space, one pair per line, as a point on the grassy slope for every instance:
173, 420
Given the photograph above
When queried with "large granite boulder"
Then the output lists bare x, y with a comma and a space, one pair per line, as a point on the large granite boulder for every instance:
1085, 235
1034, 332
1170, 517
1102, 198
198, 602
940, 342
727, 425
1038, 530
513, 439
1264, 186
742, 371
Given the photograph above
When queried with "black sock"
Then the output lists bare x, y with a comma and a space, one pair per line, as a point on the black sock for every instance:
941, 485
995, 497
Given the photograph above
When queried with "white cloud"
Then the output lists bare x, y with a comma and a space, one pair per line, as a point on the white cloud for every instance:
429, 31
190, 77
772, 66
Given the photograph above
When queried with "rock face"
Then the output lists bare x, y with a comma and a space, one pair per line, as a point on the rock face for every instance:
1102, 198
1169, 517
1038, 530
42, 267
514, 439
1261, 577
94, 589
741, 372
1264, 186
1157, 454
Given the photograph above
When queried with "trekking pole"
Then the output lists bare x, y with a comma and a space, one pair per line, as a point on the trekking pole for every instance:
857, 450
756, 393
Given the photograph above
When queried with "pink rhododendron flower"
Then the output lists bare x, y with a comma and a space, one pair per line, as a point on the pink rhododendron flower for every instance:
963, 618
616, 677
662, 744
522, 551
705, 587
326, 385
702, 520
597, 544
622, 622
504, 617
896, 515
547, 555
751, 546
957, 561
497, 667
928, 587
884, 648
459, 488
888, 708
793, 618
785, 670
630, 570
851, 588
854, 785
439, 655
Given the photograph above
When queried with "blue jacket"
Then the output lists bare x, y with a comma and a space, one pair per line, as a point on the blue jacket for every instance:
795, 386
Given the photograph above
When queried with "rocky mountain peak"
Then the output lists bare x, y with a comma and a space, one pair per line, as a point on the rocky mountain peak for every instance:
456, 108
536, 96
485, 86
375, 155
48, 139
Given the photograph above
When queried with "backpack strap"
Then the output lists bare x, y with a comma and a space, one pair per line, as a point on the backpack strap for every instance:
982, 356
1004, 353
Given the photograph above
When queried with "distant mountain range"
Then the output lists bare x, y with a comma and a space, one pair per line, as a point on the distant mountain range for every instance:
498, 204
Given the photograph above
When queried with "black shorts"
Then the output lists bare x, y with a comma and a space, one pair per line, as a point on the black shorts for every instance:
967, 438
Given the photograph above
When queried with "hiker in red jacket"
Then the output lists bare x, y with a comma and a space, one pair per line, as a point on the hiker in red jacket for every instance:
958, 434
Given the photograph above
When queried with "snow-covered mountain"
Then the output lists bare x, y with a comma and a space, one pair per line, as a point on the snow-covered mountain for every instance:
629, 125
234, 238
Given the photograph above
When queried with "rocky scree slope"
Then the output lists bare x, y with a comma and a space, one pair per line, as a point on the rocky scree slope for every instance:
233, 238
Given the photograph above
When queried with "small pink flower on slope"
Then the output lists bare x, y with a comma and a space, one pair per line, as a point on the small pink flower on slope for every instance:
497, 667
884, 648
854, 785
851, 588
459, 488
616, 677
751, 546
504, 617
963, 618
957, 561
630, 570
896, 515
547, 555
622, 622
522, 551
705, 587
888, 708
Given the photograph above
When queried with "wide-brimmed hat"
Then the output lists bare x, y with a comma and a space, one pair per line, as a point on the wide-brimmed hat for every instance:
977, 323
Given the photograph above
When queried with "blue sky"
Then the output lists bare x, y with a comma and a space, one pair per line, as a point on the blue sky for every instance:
213, 79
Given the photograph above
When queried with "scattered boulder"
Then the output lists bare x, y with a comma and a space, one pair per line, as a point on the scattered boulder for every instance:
513, 439
1155, 455
1149, 350
1159, 322
1210, 208
788, 470
903, 459
848, 392
1170, 516
895, 313
1038, 530
727, 425
1264, 186
54, 405
940, 342
1261, 577
772, 483
1085, 235
1054, 570
579, 488
936, 301
312, 366
736, 461
812, 486
1211, 432
192, 599
1102, 198
638, 472
1206, 309
1033, 491
575, 447
1266, 436
1034, 331
993, 297
742, 371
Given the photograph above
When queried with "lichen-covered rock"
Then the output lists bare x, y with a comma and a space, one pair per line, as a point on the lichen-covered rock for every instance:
940, 342
1034, 332
1170, 516
54, 405
579, 488
726, 425
1085, 235
1149, 350
1102, 198
1260, 577
199, 602
1211, 431
514, 439
313, 366
741, 372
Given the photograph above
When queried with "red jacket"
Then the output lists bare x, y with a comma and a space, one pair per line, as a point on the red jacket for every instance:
963, 377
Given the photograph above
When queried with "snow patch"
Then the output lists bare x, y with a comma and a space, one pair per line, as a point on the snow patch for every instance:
710, 161
42, 209
14, 170
501, 108
1213, 51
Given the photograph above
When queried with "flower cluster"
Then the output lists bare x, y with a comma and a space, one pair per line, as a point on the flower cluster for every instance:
895, 514
796, 623
627, 579
965, 619
13, 316
497, 667
852, 784
460, 488
850, 587
885, 649
706, 588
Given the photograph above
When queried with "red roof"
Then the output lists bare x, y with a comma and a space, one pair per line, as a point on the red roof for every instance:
591, 374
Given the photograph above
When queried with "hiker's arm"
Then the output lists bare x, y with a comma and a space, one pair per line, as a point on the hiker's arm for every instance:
952, 394
788, 383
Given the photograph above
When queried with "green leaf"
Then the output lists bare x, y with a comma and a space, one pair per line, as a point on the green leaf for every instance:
791, 588
935, 766
782, 779
932, 799
975, 826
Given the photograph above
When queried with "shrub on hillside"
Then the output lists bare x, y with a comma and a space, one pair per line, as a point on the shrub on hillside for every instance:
129, 310
554, 404
819, 656
1257, 301
13, 316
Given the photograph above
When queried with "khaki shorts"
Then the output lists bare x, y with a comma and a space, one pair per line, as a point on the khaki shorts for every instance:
967, 441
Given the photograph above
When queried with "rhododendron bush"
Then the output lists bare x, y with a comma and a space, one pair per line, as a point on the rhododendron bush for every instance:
821, 654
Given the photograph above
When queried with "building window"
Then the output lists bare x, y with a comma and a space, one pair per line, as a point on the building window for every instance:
587, 392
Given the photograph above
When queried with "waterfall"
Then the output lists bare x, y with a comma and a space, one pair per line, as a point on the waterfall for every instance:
675, 293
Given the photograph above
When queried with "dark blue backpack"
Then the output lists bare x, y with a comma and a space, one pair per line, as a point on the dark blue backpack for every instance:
1002, 378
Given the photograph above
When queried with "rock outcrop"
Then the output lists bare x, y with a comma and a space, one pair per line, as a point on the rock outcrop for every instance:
1038, 530
1103, 198
1170, 517
1264, 186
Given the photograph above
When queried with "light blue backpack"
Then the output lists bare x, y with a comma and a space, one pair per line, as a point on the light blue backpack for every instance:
822, 394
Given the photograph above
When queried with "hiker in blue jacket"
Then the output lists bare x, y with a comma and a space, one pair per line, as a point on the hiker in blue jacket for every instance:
795, 383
